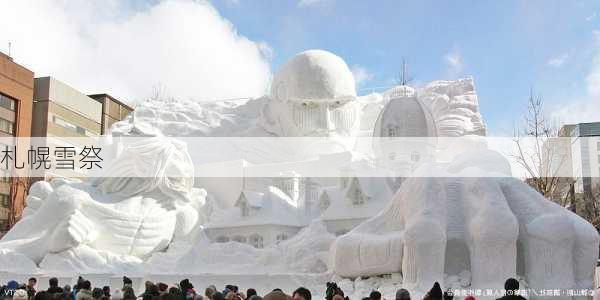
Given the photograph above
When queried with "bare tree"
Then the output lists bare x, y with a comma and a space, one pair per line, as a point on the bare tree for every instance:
543, 155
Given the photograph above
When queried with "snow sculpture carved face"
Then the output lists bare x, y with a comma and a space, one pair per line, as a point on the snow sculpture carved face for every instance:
314, 95
465, 222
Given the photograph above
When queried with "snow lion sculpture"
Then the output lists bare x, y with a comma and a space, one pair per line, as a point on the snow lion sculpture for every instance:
463, 219
112, 223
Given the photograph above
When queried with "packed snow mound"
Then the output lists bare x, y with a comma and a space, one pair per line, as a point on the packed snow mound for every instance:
192, 118
313, 75
306, 252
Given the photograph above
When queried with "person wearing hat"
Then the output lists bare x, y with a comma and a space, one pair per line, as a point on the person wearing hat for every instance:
435, 293
402, 294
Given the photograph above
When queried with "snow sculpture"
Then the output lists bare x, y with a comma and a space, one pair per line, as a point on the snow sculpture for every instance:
494, 227
113, 223
455, 107
313, 94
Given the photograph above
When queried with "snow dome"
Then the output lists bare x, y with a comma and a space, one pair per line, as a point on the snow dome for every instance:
405, 117
313, 75
398, 92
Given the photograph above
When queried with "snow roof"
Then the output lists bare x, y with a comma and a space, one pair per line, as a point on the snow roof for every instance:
254, 199
273, 207
342, 208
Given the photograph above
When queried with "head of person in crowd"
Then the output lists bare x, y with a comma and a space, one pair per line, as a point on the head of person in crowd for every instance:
127, 282
435, 293
333, 290
402, 294
276, 295
67, 288
375, 295
97, 293
448, 295
53, 282
86, 285
106, 291
162, 288
31, 282
511, 286
301, 293
80, 281
250, 292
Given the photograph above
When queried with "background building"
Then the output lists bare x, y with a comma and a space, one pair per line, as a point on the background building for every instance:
585, 155
113, 110
16, 94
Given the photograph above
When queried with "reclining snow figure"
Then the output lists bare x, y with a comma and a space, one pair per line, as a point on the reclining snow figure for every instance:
463, 219
112, 223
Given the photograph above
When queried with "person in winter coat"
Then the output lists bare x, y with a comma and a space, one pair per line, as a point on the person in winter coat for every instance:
20, 294
435, 293
128, 293
85, 291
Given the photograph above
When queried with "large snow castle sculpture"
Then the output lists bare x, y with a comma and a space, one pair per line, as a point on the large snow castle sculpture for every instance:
472, 216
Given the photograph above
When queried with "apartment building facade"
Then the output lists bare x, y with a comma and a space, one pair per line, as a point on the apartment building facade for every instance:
113, 110
16, 102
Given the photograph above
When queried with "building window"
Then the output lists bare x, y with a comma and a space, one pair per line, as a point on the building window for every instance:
222, 239
7, 126
415, 156
239, 239
256, 241
5, 200
65, 124
7, 102
281, 237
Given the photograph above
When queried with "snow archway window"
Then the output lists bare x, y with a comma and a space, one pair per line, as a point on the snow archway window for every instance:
357, 197
324, 202
239, 239
281, 237
222, 239
256, 241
